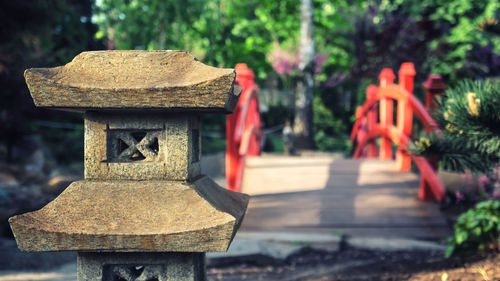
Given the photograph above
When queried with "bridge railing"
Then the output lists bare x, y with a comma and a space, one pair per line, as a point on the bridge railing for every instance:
243, 128
375, 119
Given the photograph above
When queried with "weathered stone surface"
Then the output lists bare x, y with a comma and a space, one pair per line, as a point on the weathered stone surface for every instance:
134, 216
142, 146
141, 266
134, 80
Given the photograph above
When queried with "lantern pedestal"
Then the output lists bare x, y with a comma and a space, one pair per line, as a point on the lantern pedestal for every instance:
141, 266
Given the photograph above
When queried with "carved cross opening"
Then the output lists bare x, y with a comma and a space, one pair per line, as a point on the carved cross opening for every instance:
134, 273
130, 146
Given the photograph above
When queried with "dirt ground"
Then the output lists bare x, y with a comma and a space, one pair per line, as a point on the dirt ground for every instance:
354, 264
348, 264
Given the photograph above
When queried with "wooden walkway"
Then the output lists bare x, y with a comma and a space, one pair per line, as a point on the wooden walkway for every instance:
322, 194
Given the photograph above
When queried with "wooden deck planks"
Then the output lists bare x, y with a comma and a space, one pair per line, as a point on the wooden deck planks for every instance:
324, 194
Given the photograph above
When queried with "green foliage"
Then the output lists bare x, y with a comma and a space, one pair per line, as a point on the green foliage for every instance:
222, 32
147, 24
43, 32
59, 140
276, 115
455, 38
470, 139
470, 122
38, 33
476, 229
471, 110
460, 38
219, 32
453, 152
330, 132
212, 145
213, 132
274, 143
273, 119
467, 30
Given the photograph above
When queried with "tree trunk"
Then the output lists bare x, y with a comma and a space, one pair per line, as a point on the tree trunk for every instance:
302, 127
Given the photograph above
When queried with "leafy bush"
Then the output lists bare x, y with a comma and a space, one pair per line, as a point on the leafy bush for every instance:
470, 141
274, 143
477, 229
213, 129
63, 140
330, 131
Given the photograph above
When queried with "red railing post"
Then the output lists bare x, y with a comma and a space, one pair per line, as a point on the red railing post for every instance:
254, 119
366, 129
243, 128
246, 76
371, 94
386, 77
434, 87
361, 131
405, 113
232, 147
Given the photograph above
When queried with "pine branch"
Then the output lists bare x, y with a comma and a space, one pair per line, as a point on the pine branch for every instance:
470, 120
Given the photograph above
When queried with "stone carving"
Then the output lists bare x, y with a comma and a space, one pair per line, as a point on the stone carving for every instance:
144, 211
134, 273
130, 145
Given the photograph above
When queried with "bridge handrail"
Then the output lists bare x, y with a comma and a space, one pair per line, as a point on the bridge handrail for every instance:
243, 128
396, 93
402, 141
366, 128
246, 99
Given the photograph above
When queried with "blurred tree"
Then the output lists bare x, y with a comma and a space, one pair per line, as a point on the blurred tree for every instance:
470, 45
147, 24
33, 34
303, 122
387, 33
450, 37
219, 32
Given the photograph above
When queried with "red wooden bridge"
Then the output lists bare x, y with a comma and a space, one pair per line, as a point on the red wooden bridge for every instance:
369, 195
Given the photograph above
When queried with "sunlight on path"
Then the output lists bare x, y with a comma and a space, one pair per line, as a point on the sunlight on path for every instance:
272, 174
373, 172
320, 194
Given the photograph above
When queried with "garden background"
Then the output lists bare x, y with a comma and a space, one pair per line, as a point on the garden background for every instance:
41, 151
354, 41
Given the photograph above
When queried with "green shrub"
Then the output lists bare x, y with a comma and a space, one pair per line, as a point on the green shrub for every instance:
274, 143
477, 229
330, 132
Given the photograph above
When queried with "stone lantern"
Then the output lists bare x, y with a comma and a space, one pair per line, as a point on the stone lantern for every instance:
144, 211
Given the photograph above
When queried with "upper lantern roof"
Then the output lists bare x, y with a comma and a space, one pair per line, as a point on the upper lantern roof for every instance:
105, 80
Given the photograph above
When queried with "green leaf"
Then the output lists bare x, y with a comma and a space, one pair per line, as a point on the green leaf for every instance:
449, 251
461, 236
477, 231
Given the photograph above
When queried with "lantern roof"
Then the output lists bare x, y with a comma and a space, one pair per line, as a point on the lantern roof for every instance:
110, 80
